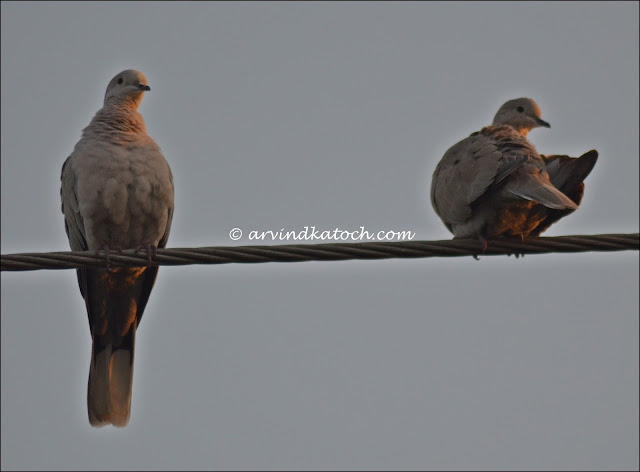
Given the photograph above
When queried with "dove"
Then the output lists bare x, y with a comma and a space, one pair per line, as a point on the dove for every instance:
494, 184
117, 193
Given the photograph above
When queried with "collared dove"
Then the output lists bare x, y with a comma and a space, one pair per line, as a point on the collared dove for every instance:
117, 192
494, 183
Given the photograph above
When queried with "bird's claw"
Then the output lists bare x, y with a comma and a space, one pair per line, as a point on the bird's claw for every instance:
518, 254
485, 246
106, 248
150, 249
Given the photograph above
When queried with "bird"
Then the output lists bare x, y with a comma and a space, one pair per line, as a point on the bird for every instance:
494, 184
117, 193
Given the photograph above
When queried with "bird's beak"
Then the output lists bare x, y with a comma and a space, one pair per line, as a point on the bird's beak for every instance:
146, 88
542, 123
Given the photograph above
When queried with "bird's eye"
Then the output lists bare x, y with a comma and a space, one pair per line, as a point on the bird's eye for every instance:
120, 80
519, 109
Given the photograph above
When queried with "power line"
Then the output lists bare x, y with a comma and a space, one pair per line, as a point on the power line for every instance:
323, 252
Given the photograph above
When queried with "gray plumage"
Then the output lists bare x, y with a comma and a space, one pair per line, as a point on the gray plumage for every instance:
117, 192
495, 184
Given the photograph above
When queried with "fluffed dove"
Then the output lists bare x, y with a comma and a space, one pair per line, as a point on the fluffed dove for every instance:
494, 183
117, 192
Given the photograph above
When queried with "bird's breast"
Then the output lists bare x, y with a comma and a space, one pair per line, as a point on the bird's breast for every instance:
131, 194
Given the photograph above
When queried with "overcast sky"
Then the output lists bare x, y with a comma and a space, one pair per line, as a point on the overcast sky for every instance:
334, 115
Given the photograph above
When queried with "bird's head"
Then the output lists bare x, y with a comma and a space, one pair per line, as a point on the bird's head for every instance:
127, 87
523, 114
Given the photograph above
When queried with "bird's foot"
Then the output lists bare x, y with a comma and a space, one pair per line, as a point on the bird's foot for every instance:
151, 251
518, 254
106, 248
485, 246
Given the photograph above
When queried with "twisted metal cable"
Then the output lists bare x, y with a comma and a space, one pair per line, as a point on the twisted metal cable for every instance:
322, 252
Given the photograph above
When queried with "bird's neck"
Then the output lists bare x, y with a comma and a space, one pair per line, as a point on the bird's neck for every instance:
522, 131
117, 122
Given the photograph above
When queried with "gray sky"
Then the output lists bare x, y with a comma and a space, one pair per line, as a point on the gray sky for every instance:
281, 115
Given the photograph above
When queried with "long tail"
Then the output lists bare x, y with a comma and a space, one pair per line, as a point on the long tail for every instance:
567, 174
115, 300
110, 381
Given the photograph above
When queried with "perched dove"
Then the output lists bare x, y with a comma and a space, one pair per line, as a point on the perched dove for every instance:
117, 192
494, 183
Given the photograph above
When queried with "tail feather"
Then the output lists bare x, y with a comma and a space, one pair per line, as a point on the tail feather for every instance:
567, 174
115, 300
97, 401
543, 192
110, 382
